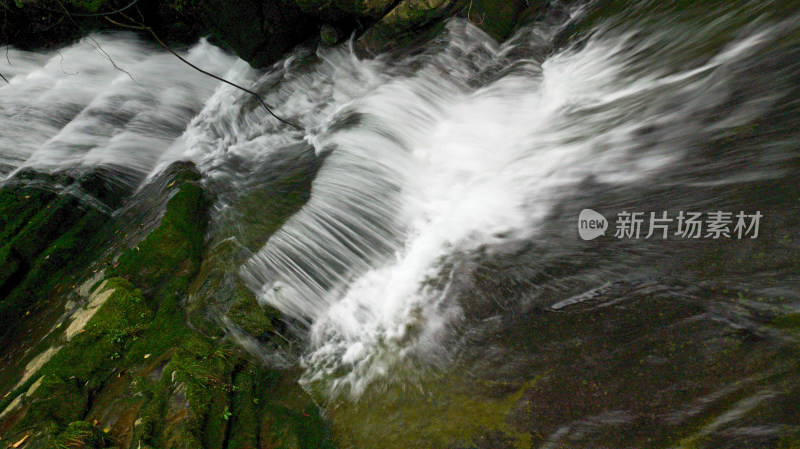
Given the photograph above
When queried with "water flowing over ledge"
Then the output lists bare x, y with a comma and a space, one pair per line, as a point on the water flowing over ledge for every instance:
430, 163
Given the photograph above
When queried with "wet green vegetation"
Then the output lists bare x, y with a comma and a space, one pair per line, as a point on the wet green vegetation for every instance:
136, 374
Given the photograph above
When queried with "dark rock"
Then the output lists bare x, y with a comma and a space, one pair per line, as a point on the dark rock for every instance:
333, 10
176, 244
365, 8
260, 32
330, 35
403, 24
411, 22
500, 18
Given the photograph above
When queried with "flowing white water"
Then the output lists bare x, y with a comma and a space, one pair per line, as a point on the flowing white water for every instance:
427, 160
437, 168
76, 109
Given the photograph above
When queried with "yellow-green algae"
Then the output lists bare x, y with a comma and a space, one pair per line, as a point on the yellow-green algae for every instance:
440, 411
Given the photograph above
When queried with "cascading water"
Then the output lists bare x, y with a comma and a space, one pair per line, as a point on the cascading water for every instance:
432, 163
106, 101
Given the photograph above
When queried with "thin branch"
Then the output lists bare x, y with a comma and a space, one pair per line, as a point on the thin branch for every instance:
62, 65
99, 14
142, 27
4, 78
469, 15
98, 48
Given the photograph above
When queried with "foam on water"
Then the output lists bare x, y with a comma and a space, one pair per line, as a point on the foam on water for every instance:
437, 168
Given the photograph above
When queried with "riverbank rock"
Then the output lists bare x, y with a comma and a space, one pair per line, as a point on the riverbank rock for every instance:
263, 31
260, 32
127, 368
414, 21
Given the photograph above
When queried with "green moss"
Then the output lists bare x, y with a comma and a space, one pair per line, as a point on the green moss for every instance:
92, 355
168, 329
265, 209
790, 322
286, 428
245, 417
174, 246
249, 315
61, 237
56, 403
144, 334
455, 410
17, 206
80, 434
46, 226
152, 412
268, 407
206, 372
69, 253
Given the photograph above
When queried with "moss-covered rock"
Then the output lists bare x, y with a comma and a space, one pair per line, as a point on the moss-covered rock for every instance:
28, 283
18, 204
411, 22
128, 366
403, 23
249, 315
91, 356
45, 237
81, 434
175, 246
56, 403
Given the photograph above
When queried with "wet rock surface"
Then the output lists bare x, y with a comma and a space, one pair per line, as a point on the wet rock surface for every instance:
111, 359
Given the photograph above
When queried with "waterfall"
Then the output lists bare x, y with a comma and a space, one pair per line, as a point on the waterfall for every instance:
430, 161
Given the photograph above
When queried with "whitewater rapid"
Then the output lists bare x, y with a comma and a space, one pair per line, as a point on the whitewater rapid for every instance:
429, 162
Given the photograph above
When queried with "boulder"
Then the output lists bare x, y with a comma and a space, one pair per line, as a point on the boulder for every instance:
402, 24
260, 32
412, 21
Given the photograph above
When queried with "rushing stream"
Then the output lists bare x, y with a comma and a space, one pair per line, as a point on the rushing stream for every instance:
450, 181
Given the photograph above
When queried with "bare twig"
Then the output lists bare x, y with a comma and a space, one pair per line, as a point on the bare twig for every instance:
99, 14
469, 14
142, 27
4, 78
62, 65
98, 48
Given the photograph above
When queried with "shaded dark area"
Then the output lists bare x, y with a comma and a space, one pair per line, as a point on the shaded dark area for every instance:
259, 31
